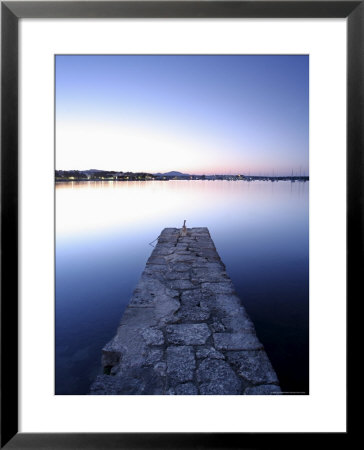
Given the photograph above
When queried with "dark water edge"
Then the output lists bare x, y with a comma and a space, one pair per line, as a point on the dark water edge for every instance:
285, 343
276, 297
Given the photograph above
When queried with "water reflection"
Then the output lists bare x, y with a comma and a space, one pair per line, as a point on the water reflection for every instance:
103, 229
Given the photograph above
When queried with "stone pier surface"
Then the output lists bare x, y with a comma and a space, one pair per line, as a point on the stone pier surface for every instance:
185, 331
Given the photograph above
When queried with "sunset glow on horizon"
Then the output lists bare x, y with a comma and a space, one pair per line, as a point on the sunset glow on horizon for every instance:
194, 114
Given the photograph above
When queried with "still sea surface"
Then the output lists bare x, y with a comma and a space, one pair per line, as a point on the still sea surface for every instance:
103, 231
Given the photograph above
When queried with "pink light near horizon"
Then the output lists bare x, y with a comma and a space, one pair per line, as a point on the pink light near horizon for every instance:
194, 114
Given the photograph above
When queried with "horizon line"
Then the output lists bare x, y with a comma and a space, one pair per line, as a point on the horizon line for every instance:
264, 174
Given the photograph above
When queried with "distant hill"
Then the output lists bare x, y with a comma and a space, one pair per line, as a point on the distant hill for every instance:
173, 173
93, 171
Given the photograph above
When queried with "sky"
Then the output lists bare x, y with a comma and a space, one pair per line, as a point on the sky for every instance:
197, 114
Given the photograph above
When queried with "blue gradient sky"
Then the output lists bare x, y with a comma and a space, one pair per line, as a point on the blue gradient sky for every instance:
196, 114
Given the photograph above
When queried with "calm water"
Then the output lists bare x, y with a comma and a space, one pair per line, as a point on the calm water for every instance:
260, 230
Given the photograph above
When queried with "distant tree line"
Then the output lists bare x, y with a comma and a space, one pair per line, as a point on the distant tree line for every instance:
99, 175
70, 175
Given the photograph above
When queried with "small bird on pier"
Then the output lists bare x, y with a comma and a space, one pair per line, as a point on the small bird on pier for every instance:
184, 229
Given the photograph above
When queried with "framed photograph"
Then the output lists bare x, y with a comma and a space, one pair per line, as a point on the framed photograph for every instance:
181, 221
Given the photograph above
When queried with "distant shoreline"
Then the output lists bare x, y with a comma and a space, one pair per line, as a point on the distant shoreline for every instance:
110, 175
272, 179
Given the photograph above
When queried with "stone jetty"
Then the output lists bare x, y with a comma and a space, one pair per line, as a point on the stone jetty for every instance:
185, 331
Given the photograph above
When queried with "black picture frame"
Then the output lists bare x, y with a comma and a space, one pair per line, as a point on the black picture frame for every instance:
11, 12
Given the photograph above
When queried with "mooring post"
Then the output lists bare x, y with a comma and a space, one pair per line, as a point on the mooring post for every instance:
184, 229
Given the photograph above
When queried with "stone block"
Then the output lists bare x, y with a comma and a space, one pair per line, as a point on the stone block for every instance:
181, 363
238, 322
191, 297
186, 389
188, 334
224, 287
139, 317
192, 314
209, 352
236, 341
180, 284
253, 366
152, 356
217, 378
179, 267
153, 336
